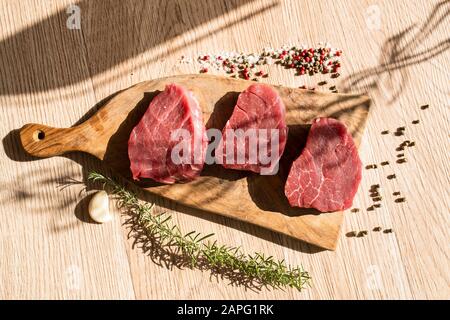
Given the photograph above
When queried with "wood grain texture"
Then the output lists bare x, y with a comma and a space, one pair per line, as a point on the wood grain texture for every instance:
244, 196
50, 74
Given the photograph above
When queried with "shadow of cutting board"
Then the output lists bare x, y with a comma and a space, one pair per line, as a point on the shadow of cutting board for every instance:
237, 194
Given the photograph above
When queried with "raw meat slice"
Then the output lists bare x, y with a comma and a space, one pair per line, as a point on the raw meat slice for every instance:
258, 107
150, 144
327, 174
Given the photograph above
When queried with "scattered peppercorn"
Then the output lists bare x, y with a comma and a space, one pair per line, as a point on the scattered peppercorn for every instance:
322, 59
351, 234
385, 132
399, 200
411, 144
402, 160
391, 176
400, 148
396, 193
335, 75
387, 231
371, 208
377, 199
361, 234
400, 155
354, 210
322, 83
332, 88
384, 163
377, 205
415, 121
377, 229
425, 106
398, 133
401, 129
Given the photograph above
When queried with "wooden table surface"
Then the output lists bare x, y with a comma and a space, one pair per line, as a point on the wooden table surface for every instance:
396, 51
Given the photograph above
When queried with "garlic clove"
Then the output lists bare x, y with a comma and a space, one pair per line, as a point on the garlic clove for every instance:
99, 207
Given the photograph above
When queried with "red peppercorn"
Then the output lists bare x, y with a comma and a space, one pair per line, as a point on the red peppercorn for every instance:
292, 65
311, 50
338, 53
204, 70
205, 58
307, 59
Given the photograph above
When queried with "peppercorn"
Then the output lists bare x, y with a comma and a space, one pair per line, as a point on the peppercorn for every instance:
377, 229
385, 132
415, 121
402, 160
384, 163
391, 176
400, 155
424, 107
351, 234
387, 231
399, 200
396, 193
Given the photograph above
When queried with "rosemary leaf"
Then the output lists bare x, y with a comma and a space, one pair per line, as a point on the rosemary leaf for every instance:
167, 240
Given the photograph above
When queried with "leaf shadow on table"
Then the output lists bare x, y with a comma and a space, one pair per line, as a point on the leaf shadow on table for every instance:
47, 55
405, 49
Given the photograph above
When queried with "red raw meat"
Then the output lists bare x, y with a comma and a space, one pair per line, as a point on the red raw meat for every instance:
327, 174
150, 144
258, 107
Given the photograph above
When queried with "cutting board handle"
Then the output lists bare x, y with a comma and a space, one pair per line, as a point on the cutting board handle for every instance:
44, 141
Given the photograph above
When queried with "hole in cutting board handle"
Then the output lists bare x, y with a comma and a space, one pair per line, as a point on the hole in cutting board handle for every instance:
39, 135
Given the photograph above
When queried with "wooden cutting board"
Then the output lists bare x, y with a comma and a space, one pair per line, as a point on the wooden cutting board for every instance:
237, 194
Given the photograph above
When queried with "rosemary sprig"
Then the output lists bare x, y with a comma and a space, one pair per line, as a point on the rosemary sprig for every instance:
198, 251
